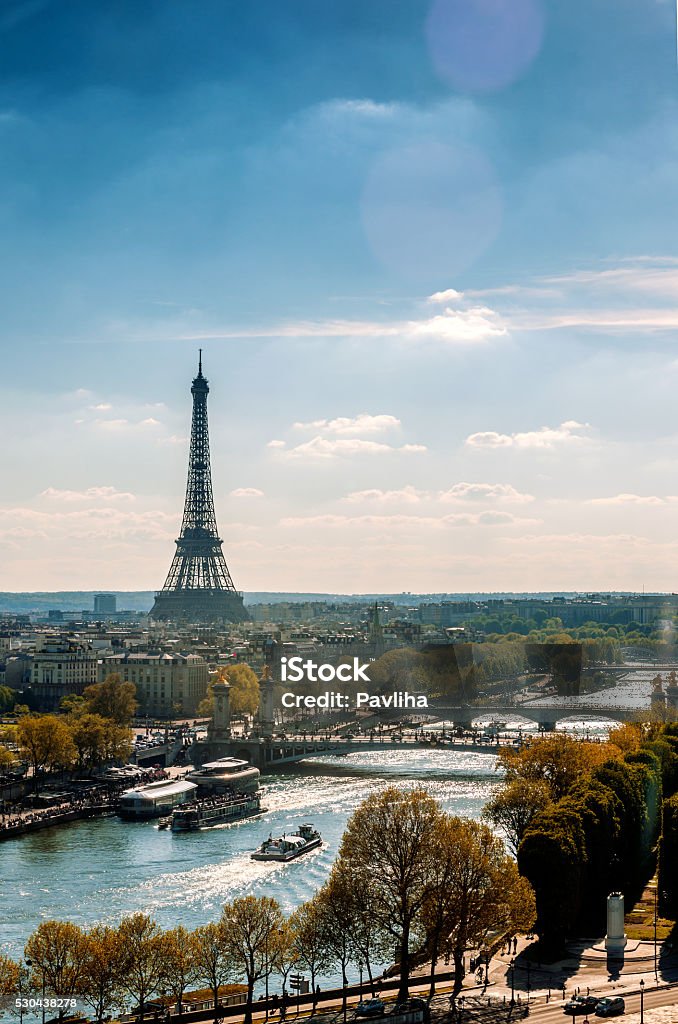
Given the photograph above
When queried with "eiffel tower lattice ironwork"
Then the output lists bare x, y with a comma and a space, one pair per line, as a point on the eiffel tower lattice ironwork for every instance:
199, 587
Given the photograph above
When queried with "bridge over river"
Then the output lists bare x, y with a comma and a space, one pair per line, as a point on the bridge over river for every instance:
268, 754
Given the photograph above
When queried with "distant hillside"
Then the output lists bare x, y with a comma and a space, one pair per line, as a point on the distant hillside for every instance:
142, 600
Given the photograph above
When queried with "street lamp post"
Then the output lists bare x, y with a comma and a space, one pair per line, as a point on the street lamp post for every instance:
512, 968
642, 990
360, 968
656, 893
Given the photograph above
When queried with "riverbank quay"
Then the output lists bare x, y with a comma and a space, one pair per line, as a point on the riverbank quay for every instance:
484, 1004
34, 821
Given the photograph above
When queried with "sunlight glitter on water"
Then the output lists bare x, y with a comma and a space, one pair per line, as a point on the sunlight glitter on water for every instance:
100, 870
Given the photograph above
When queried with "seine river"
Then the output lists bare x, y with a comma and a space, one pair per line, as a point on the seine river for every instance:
99, 870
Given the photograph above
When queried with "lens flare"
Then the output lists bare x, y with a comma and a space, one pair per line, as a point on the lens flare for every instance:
483, 45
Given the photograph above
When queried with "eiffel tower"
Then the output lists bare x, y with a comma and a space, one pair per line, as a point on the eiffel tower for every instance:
199, 587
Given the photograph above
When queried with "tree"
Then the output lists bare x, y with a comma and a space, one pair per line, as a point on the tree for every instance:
7, 758
334, 905
557, 760
101, 983
99, 740
283, 955
479, 892
143, 960
56, 951
181, 969
245, 695
73, 704
514, 807
249, 925
7, 699
112, 699
310, 940
387, 846
88, 736
45, 741
9, 980
209, 954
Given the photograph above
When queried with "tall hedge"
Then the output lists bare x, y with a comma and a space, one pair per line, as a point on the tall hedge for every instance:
668, 860
596, 839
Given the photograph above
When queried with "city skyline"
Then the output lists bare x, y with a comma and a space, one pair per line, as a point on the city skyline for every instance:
436, 297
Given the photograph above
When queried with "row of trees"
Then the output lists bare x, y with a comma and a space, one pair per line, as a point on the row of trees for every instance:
584, 818
411, 883
93, 731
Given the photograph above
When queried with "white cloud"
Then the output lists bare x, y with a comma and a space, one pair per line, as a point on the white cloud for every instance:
545, 438
89, 494
363, 423
247, 492
448, 295
470, 326
327, 448
173, 439
407, 495
112, 425
101, 407
632, 499
484, 492
475, 325
276, 443
461, 519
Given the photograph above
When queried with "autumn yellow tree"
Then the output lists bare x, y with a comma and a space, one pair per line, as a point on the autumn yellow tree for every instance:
387, 846
9, 980
558, 759
250, 924
7, 758
180, 966
101, 981
142, 956
244, 690
210, 957
56, 952
310, 940
515, 806
112, 699
45, 741
476, 892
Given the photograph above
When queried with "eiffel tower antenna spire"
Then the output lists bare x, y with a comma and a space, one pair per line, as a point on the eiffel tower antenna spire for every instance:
199, 587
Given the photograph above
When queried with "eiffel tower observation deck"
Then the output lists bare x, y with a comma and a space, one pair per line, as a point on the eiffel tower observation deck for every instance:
199, 587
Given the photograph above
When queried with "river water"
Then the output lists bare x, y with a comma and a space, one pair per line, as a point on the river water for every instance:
99, 870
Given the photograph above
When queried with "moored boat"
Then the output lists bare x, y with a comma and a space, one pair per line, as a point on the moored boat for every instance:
289, 847
156, 800
227, 774
200, 814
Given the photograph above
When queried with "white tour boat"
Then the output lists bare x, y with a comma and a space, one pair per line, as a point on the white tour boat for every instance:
289, 847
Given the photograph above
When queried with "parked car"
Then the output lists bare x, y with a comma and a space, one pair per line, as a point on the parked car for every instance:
147, 1008
413, 1003
610, 1006
370, 1008
579, 1005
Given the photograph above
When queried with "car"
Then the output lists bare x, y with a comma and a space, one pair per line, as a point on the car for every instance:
370, 1008
413, 1003
579, 1005
610, 1006
149, 1007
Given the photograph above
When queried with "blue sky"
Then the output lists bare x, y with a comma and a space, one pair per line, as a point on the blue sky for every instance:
428, 249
